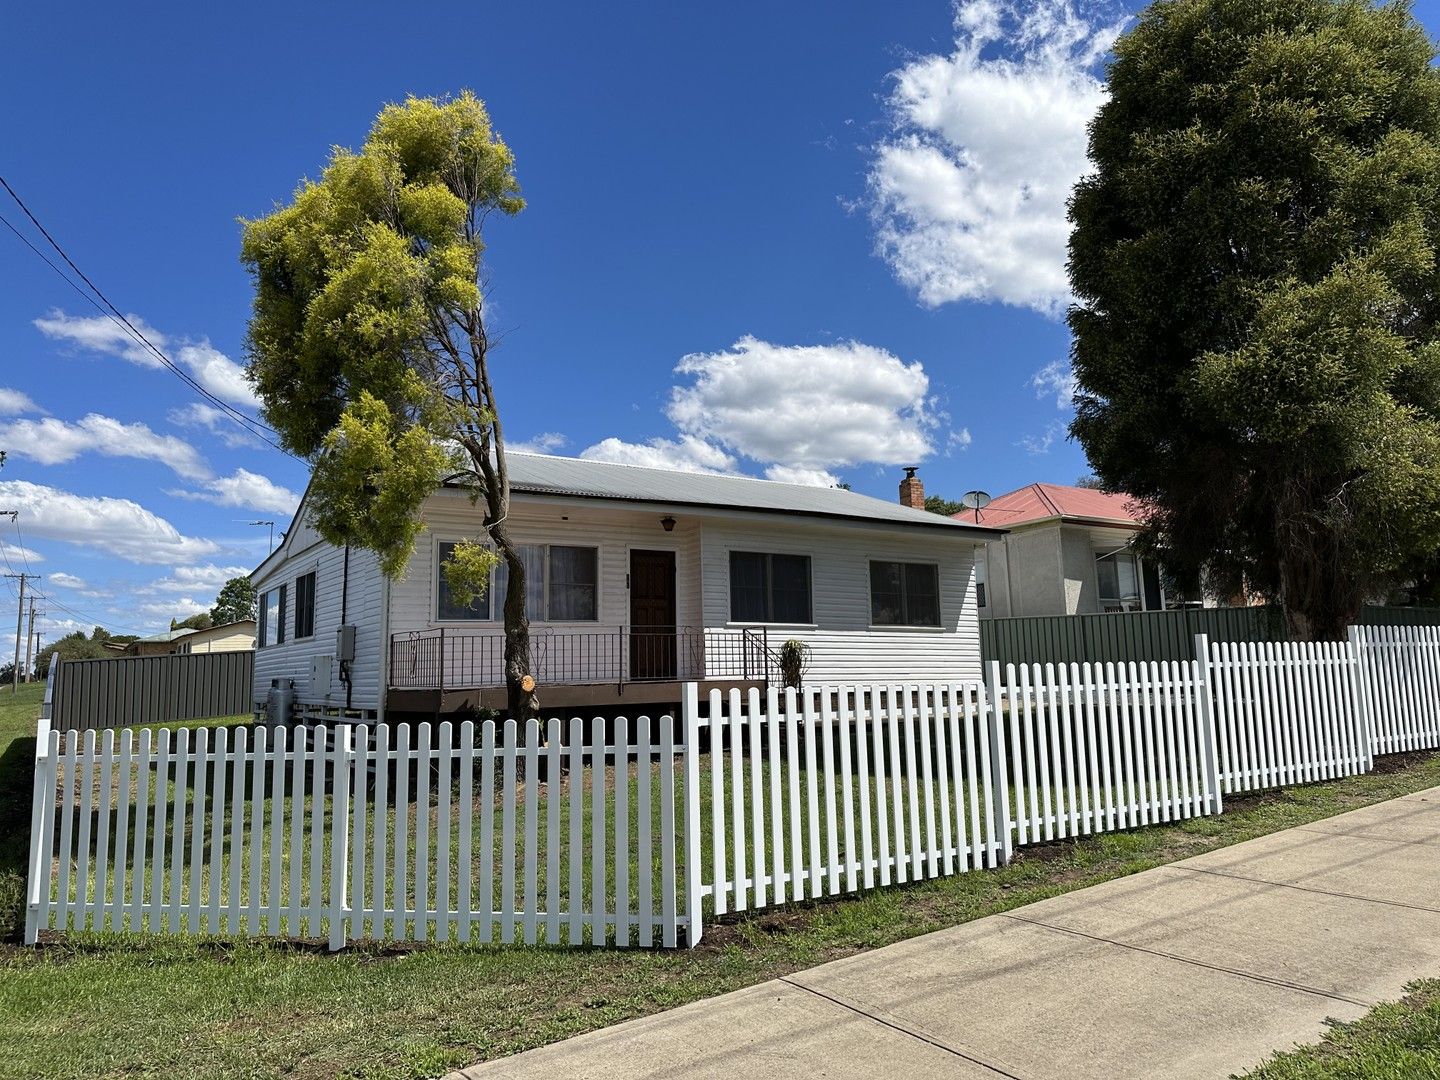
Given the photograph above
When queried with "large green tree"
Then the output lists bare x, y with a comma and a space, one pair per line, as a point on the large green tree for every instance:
369, 345
1255, 334
234, 602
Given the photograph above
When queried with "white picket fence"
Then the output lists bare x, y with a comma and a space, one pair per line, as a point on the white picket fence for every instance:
1400, 685
626, 834
1108, 747
835, 789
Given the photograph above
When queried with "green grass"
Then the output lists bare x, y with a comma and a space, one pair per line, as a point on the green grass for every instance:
119, 1007
1396, 1041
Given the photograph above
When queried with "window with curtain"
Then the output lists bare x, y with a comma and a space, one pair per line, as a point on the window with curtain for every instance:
446, 608
904, 594
1118, 578
562, 584
769, 588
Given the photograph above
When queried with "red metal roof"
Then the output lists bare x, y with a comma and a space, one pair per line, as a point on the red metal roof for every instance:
1040, 502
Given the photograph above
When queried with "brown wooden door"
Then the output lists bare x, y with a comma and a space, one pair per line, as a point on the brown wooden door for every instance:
652, 614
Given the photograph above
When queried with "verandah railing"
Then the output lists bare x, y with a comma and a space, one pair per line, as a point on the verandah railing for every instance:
620, 833
465, 658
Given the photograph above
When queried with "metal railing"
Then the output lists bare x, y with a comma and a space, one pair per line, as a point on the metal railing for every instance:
456, 658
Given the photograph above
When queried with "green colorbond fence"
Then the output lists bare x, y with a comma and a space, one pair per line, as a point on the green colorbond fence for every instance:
1151, 635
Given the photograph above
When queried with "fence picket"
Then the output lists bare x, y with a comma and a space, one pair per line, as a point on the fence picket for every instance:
553, 781
622, 837
644, 845
444, 780
777, 809
755, 719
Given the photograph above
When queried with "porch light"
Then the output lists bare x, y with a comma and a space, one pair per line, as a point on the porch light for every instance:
667, 523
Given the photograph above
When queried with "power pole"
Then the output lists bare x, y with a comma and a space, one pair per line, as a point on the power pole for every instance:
30, 635
19, 626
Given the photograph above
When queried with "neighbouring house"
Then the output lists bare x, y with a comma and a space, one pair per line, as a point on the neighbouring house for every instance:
638, 579
1067, 551
228, 637
154, 645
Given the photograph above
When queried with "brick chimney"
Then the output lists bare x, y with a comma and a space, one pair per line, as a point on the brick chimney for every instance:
912, 489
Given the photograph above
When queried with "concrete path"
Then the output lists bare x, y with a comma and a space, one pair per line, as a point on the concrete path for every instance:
1197, 969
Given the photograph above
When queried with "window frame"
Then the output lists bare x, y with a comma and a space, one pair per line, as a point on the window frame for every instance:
769, 557
313, 573
496, 616
933, 565
1119, 600
260, 636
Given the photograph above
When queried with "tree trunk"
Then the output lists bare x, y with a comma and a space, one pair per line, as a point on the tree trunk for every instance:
520, 702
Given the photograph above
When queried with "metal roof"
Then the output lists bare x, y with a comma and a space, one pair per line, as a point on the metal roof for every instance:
542, 474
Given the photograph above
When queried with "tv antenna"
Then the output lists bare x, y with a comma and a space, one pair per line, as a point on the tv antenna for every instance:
975, 500
272, 530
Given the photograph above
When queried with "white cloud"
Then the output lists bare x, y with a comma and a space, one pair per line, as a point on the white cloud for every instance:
790, 474
217, 422
1056, 380
14, 553
545, 443
51, 441
806, 406
246, 489
117, 527
181, 608
1041, 443
801, 411
14, 402
211, 368
206, 578
968, 191
66, 581
686, 454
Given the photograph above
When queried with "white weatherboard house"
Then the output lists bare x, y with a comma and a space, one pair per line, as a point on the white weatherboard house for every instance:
638, 579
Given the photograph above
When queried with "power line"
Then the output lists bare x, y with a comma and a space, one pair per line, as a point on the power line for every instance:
117, 317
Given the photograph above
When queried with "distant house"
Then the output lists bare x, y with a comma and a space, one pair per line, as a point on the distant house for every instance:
1067, 551
228, 637
637, 579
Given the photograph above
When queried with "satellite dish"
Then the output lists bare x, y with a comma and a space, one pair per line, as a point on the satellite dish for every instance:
975, 500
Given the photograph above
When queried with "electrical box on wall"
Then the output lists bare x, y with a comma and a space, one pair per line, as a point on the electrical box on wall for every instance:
320, 671
345, 643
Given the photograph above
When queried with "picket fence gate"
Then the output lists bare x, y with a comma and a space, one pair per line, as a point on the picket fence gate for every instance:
627, 833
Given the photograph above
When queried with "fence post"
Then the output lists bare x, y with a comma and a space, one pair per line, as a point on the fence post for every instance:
999, 769
340, 765
1205, 691
1362, 690
41, 812
690, 710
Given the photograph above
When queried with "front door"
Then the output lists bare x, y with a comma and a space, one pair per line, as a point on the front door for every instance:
652, 614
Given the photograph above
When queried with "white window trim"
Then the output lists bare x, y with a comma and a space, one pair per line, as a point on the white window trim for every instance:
313, 568
938, 628
494, 621
741, 624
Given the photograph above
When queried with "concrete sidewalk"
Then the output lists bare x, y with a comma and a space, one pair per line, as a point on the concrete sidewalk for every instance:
1197, 969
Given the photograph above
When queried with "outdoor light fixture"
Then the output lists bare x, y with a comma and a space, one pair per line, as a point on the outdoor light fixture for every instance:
667, 523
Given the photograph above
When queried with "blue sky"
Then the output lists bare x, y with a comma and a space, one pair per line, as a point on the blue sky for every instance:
811, 241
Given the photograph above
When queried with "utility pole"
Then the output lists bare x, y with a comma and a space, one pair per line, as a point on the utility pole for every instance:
19, 626
30, 635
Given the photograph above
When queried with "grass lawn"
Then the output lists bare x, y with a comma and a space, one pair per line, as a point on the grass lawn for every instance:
110, 1007
1396, 1041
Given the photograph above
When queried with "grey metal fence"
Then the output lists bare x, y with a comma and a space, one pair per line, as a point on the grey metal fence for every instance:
1151, 635
130, 690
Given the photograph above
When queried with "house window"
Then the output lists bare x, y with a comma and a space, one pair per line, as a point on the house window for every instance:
769, 588
561, 585
904, 594
1118, 577
272, 617
305, 605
